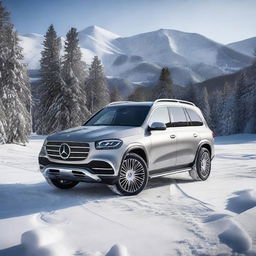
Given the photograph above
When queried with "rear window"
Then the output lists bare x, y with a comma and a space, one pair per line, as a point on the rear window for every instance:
195, 119
178, 117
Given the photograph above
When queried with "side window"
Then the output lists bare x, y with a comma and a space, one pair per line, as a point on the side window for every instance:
195, 119
160, 115
178, 117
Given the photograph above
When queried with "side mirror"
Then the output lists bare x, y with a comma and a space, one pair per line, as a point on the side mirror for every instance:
157, 126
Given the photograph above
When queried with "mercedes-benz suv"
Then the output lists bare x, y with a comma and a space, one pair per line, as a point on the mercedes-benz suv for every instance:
126, 143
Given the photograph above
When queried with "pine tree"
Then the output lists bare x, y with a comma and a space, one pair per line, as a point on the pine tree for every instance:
189, 93
240, 118
96, 87
73, 101
228, 114
115, 95
250, 99
164, 88
51, 85
202, 101
15, 93
217, 112
2, 124
4, 22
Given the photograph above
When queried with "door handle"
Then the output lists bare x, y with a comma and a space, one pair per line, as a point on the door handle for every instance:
195, 135
172, 136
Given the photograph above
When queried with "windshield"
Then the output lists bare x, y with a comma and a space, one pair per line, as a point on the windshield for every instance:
120, 116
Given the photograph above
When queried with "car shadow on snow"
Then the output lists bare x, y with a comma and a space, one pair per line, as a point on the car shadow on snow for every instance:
24, 199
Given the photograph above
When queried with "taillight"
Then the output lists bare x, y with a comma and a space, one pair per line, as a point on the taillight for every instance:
213, 134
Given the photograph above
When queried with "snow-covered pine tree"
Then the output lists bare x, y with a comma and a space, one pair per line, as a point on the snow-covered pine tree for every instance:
240, 118
228, 113
73, 101
96, 87
51, 85
164, 88
250, 99
2, 124
202, 101
4, 21
217, 112
15, 90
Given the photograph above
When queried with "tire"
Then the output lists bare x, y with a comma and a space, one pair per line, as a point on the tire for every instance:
133, 176
62, 184
202, 168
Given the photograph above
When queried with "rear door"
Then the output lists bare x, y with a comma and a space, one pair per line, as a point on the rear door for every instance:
186, 136
163, 143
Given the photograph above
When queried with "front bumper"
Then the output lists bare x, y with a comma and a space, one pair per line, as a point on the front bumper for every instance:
93, 172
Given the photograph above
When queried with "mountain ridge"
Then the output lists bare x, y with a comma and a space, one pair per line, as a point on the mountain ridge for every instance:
190, 56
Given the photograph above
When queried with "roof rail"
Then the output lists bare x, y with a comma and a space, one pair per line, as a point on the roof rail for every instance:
174, 100
119, 102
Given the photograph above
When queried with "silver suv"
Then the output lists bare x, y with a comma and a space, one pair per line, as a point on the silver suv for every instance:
126, 143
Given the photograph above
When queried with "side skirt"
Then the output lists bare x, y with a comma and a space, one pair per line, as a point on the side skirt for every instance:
166, 172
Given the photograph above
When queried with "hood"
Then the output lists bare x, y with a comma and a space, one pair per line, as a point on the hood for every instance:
94, 133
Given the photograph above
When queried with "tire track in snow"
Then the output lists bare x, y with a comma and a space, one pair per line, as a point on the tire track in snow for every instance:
175, 203
82, 204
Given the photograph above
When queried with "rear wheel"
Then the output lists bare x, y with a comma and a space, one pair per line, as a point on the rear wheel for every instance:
202, 167
63, 184
133, 176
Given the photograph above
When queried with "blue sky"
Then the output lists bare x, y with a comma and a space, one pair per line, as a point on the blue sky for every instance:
221, 20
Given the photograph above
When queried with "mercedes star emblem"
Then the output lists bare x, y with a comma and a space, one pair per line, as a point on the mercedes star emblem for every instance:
64, 151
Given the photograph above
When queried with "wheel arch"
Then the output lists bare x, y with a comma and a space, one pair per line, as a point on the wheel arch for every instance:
203, 144
139, 150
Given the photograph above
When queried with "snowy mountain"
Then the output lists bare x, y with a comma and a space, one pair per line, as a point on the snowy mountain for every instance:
191, 57
246, 46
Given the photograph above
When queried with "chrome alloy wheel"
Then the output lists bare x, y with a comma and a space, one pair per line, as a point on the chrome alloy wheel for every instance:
132, 175
205, 164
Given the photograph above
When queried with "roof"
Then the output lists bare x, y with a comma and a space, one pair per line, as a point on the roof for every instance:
150, 103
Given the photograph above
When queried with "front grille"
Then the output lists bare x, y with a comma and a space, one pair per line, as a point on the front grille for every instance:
78, 150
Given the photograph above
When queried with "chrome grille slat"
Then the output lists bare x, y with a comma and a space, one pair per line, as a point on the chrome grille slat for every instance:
78, 150
53, 155
78, 147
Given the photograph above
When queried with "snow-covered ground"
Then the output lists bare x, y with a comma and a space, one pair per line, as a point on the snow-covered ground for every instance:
173, 216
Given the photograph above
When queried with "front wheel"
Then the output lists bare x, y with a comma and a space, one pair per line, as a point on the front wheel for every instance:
133, 176
63, 184
202, 167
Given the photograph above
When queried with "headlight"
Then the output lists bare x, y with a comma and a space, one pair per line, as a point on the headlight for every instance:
108, 144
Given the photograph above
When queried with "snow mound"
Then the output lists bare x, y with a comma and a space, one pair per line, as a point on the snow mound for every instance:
44, 241
118, 250
243, 201
40, 237
236, 238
